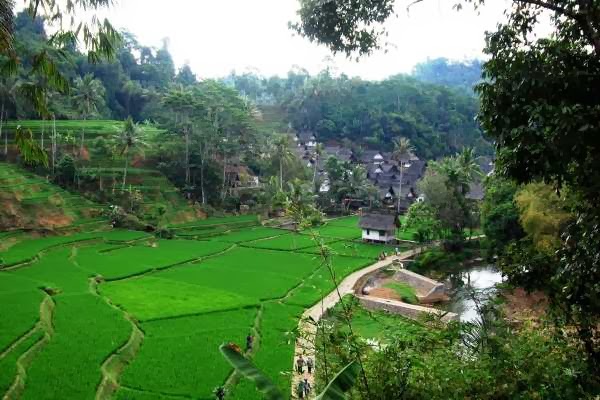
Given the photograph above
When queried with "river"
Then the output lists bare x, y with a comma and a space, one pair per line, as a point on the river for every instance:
478, 277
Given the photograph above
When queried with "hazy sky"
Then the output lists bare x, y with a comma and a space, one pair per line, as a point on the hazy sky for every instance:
217, 36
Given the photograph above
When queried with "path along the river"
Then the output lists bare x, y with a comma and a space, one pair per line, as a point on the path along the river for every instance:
307, 326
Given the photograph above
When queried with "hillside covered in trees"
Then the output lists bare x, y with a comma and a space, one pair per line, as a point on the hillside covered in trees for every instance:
438, 120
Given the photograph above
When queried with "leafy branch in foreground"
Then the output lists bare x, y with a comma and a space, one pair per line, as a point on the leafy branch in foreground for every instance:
335, 390
32, 152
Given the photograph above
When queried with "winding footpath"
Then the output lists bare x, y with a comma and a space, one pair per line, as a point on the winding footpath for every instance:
307, 327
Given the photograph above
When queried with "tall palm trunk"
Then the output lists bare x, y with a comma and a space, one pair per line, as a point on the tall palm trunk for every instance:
1, 126
281, 174
125, 170
400, 190
187, 155
83, 134
202, 179
54, 146
224, 176
43, 127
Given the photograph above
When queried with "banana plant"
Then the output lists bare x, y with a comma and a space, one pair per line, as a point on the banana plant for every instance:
335, 390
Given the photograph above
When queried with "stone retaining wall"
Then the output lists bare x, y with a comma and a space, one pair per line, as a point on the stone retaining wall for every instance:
428, 290
407, 310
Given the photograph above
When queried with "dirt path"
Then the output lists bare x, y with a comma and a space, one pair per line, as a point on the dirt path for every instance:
307, 326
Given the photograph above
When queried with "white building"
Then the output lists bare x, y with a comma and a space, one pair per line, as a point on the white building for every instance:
379, 228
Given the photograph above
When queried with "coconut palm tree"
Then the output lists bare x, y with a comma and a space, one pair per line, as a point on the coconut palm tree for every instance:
88, 96
8, 95
129, 141
284, 154
403, 150
469, 168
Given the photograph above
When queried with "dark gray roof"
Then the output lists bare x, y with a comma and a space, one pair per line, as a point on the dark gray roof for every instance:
383, 222
389, 167
305, 136
475, 191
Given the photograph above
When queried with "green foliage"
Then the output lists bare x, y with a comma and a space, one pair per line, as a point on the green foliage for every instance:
543, 215
335, 390
415, 360
499, 213
245, 367
422, 218
31, 151
406, 292
345, 27
341, 383
445, 72
578, 276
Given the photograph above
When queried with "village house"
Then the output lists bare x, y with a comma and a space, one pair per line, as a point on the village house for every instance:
378, 227
239, 176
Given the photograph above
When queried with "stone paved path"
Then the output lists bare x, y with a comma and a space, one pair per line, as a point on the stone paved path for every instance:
308, 329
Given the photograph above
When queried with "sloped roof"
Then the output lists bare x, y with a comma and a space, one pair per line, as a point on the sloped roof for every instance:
306, 137
383, 222
475, 191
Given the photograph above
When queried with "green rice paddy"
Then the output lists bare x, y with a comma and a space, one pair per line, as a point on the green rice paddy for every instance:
187, 295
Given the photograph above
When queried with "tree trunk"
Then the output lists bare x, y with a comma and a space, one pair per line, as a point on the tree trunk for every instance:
202, 179
125, 170
224, 176
43, 127
400, 190
54, 148
1, 125
187, 156
82, 136
281, 174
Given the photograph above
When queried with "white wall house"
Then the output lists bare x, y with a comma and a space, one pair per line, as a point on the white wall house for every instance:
379, 228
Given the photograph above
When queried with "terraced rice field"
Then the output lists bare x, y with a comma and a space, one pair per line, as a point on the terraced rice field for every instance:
28, 200
121, 315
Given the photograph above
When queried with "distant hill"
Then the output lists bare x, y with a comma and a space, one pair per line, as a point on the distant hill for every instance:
438, 117
458, 74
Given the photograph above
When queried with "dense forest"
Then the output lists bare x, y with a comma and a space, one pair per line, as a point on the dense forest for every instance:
441, 71
439, 120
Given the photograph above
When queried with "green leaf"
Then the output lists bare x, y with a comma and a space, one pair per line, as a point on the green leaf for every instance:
245, 367
341, 383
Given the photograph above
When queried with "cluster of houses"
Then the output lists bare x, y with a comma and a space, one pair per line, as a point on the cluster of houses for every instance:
394, 180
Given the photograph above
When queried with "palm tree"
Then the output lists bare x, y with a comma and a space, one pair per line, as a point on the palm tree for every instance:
403, 150
469, 168
318, 153
284, 154
88, 96
8, 94
129, 141
356, 186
